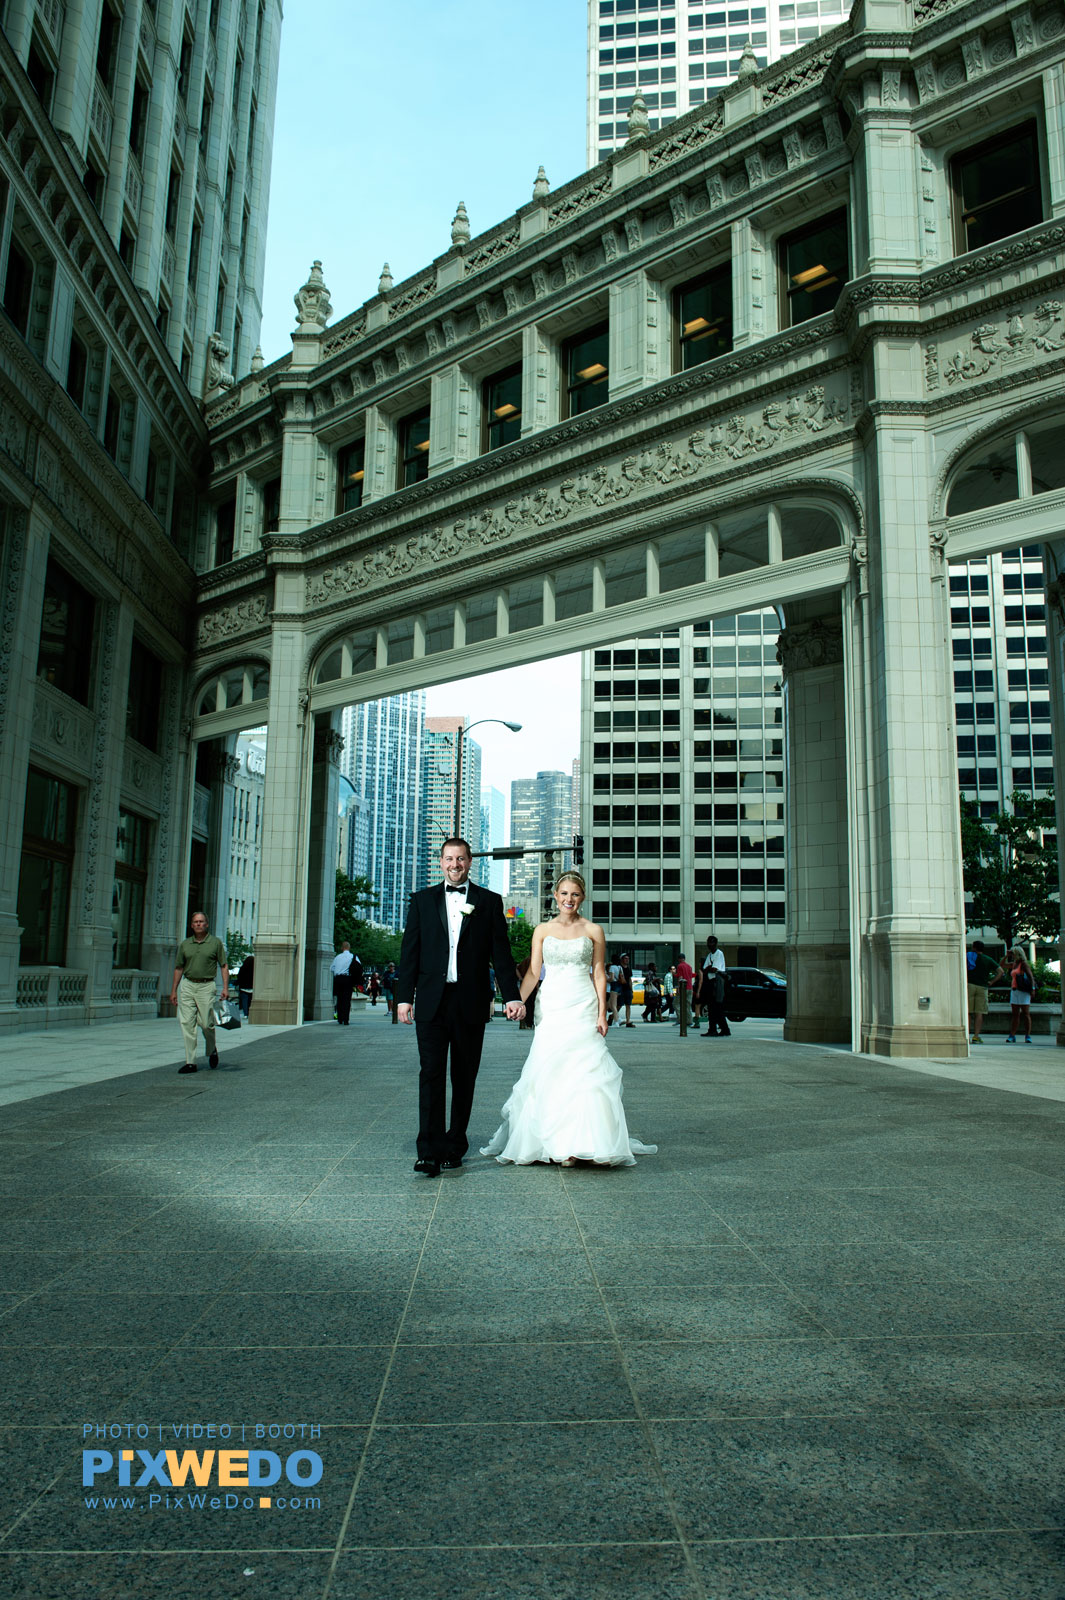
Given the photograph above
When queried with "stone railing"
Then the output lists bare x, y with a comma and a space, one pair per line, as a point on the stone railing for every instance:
132, 987
48, 988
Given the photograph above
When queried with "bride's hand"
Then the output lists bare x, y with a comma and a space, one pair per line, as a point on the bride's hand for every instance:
600, 1026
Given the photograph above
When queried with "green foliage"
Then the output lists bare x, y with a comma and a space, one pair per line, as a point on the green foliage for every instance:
520, 934
237, 947
375, 947
1010, 870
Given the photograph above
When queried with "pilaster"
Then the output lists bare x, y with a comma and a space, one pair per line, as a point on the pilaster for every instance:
634, 334
539, 380
453, 405
750, 286
321, 867
1054, 559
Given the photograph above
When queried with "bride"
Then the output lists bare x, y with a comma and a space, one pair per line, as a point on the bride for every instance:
566, 1106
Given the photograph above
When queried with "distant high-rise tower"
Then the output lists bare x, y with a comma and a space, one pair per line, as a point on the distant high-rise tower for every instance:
493, 834
541, 814
439, 748
678, 57
382, 761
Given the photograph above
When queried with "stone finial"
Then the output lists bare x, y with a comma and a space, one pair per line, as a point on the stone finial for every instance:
541, 188
384, 282
460, 228
748, 62
312, 302
639, 126
216, 379
257, 362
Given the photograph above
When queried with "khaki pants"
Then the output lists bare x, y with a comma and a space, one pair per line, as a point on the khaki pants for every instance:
194, 1004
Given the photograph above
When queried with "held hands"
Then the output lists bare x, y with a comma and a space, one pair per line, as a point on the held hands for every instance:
515, 1010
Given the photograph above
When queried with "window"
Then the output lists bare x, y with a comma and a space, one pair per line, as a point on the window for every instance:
112, 424
93, 183
127, 898
41, 75
107, 48
585, 365
225, 530
138, 120
77, 371
501, 402
351, 476
997, 189
144, 696
414, 448
185, 67
815, 265
18, 287
272, 505
64, 653
48, 834
173, 195
703, 318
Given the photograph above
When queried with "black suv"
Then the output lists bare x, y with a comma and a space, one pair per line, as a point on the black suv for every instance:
755, 992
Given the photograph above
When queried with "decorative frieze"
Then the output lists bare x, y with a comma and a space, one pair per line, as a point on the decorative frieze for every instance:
1018, 338
61, 727
810, 644
242, 616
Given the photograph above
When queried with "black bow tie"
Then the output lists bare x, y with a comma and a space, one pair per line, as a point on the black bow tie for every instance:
452, 888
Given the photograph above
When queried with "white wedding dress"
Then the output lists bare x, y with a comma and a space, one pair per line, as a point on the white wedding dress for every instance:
567, 1102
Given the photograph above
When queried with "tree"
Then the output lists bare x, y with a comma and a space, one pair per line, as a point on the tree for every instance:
520, 933
375, 947
1010, 868
237, 947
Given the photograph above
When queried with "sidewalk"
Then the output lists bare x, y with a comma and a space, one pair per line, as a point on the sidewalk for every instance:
812, 1350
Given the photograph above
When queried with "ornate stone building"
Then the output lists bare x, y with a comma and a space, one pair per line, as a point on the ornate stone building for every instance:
798, 350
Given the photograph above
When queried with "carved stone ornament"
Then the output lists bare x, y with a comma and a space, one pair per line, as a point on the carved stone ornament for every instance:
541, 187
1003, 344
810, 644
384, 282
242, 617
460, 227
1056, 597
639, 123
313, 307
786, 422
328, 745
217, 379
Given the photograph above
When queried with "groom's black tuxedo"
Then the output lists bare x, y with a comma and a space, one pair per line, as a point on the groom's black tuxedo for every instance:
451, 1017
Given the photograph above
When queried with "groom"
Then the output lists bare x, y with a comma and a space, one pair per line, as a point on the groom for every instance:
454, 934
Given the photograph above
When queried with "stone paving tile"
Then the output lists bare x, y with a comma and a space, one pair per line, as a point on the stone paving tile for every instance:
815, 1476
539, 1267
976, 1566
320, 1271
542, 1572
336, 1385
595, 1483
507, 1383
311, 1319
41, 1386
486, 1314
755, 1378
56, 1318
116, 1271
1015, 1457
970, 1370
259, 1574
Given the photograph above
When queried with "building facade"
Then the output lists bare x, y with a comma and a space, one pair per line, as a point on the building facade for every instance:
442, 740
133, 142
384, 746
493, 836
679, 57
541, 815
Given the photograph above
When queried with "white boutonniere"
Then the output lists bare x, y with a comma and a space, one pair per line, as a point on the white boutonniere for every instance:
466, 910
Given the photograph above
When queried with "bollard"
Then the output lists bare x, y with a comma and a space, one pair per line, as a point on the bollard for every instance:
683, 997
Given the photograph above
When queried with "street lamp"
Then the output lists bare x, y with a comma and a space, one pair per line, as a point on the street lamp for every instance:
460, 734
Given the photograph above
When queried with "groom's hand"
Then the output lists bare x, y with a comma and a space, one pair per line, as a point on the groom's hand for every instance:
515, 1010
405, 1013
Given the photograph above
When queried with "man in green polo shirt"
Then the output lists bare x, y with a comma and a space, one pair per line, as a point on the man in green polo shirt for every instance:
198, 960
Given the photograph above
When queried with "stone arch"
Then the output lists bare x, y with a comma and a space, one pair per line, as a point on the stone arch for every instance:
244, 681
997, 441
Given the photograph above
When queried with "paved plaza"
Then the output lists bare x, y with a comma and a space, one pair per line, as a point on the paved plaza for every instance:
812, 1350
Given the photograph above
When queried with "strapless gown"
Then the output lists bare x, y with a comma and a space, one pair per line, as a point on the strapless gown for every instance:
567, 1102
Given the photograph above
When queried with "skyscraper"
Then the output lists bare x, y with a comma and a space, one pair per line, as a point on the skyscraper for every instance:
541, 814
440, 743
383, 747
493, 834
678, 57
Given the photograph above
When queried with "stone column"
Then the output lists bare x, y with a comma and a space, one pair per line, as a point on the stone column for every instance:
817, 944
24, 560
321, 867
907, 810
90, 946
279, 957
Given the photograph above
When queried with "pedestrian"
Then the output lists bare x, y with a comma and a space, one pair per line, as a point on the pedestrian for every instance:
980, 969
1022, 988
196, 968
625, 991
245, 984
685, 978
652, 994
669, 979
344, 974
712, 990
375, 987
613, 991
453, 932
388, 986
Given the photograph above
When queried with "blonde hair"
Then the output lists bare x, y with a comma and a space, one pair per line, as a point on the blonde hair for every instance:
572, 877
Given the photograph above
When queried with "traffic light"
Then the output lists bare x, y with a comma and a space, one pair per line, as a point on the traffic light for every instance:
578, 849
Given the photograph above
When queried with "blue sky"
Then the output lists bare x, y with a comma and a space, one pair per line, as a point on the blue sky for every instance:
387, 117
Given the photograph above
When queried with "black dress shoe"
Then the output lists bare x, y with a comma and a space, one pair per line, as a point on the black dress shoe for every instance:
450, 1163
212, 1059
190, 1066
430, 1168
